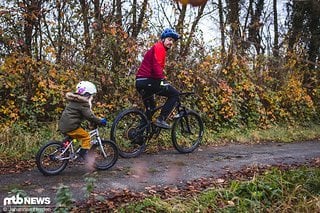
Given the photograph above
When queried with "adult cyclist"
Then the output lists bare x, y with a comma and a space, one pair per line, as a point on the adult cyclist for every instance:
150, 78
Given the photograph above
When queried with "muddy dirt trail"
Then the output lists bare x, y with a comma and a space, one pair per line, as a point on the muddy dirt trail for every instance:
165, 168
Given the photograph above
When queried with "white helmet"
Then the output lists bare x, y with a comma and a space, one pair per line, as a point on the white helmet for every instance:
85, 87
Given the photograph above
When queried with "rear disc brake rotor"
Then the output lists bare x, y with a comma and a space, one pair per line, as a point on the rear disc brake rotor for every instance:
131, 133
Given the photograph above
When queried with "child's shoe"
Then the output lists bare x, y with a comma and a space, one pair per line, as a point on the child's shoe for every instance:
83, 153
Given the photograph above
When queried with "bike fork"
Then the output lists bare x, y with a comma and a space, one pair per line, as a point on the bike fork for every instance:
102, 149
185, 124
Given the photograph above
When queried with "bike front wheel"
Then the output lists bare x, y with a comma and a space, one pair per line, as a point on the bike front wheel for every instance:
50, 158
104, 155
187, 132
128, 131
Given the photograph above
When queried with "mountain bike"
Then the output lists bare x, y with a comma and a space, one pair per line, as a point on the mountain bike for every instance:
131, 129
53, 157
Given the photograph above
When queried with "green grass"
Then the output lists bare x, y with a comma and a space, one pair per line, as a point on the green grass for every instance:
281, 133
296, 190
19, 143
275, 191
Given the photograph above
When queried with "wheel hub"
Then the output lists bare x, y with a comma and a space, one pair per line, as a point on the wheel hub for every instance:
52, 157
131, 133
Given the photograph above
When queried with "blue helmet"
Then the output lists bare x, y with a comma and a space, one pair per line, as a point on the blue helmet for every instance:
168, 32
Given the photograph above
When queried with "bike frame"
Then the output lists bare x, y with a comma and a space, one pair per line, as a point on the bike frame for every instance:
152, 129
94, 139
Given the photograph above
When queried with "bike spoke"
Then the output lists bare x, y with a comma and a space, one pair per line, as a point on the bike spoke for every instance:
50, 158
128, 132
187, 132
105, 155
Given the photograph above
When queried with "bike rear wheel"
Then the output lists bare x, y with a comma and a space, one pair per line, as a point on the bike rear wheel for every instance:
187, 132
106, 156
128, 131
49, 158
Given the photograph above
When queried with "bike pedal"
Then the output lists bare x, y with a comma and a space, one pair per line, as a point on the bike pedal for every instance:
177, 116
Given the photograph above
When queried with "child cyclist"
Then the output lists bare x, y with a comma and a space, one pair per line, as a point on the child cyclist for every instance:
77, 110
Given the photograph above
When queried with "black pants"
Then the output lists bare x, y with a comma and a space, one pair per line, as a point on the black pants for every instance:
148, 87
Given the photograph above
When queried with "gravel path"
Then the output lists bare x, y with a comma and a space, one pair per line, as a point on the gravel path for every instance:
161, 169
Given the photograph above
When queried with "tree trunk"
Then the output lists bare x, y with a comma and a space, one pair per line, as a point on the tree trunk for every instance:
296, 24
314, 27
31, 16
235, 35
118, 12
233, 17
180, 24
312, 76
276, 30
181, 19
186, 47
97, 15
138, 24
86, 33
59, 36
255, 26
134, 16
221, 24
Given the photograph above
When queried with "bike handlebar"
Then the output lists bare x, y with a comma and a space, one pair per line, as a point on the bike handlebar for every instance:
93, 126
186, 93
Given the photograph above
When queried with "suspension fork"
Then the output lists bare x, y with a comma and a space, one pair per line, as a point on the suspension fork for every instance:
187, 129
184, 121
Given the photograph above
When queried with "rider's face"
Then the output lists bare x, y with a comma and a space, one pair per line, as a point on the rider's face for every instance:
168, 42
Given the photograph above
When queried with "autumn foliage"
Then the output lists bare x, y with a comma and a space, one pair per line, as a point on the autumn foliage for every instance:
194, 3
31, 91
233, 95
43, 56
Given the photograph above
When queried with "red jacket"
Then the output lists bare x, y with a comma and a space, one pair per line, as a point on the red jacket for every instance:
153, 62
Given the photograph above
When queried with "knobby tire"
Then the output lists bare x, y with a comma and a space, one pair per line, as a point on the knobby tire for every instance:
102, 162
187, 132
46, 159
125, 133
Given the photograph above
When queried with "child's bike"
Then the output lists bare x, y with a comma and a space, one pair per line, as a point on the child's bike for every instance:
53, 157
132, 129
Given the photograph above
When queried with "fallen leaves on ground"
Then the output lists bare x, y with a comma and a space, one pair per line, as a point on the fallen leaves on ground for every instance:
117, 198
112, 199
16, 166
